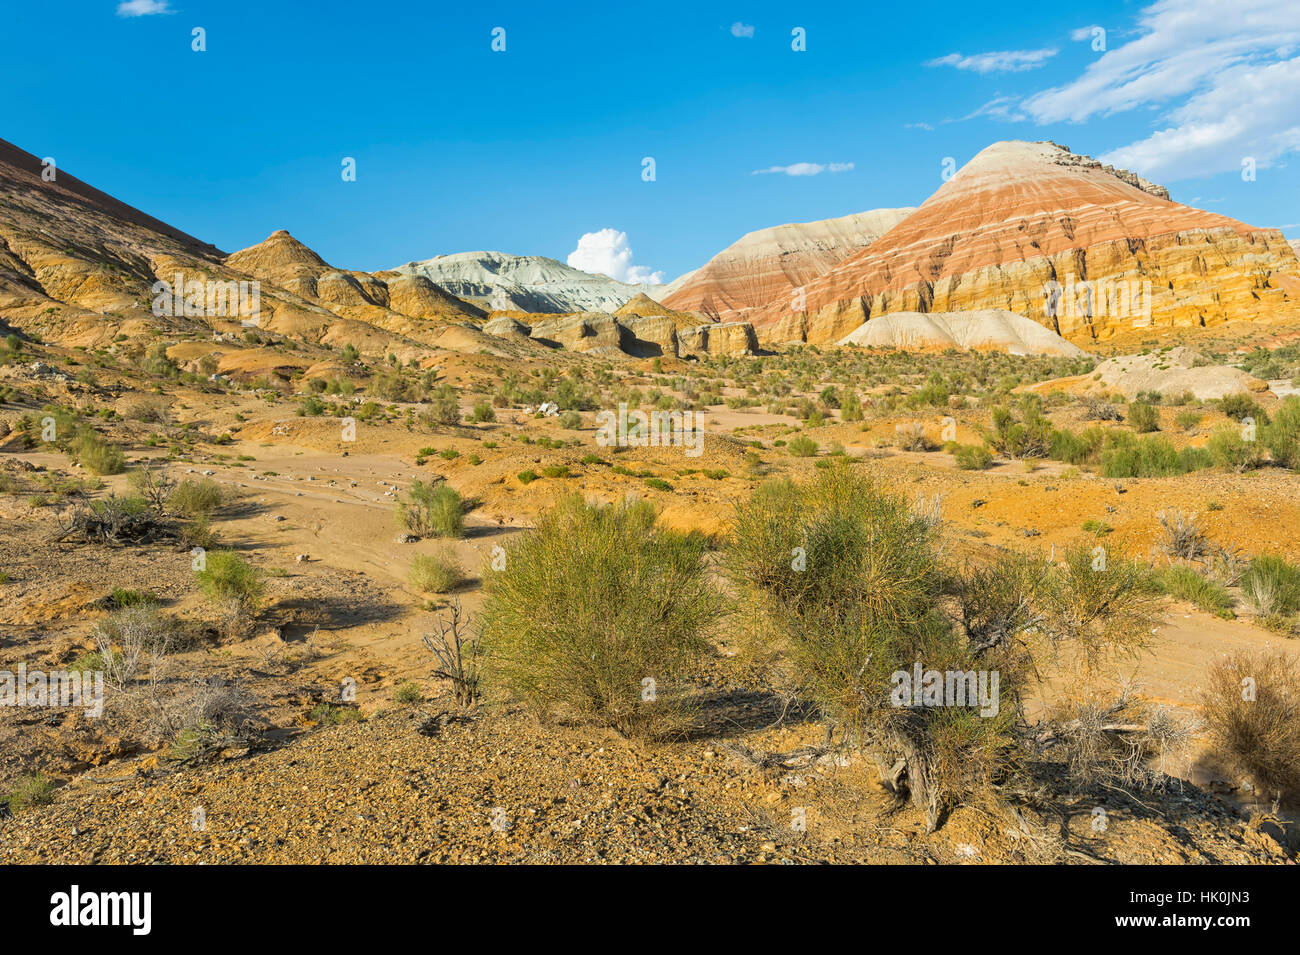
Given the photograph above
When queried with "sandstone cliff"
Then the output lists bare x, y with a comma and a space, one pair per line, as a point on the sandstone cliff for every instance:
764, 267
1021, 224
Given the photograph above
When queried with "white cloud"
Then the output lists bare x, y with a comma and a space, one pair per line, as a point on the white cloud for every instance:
607, 253
1005, 61
925, 126
1083, 33
1005, 108
805, 169
1223, 88
142, 8
743, 30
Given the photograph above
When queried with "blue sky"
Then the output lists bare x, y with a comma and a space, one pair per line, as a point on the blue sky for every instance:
462, 148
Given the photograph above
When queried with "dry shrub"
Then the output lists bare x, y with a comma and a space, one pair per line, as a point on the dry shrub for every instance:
1251, 707
1115, 739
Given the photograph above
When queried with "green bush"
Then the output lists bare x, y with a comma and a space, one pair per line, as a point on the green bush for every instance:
1026, 435
228, 578
1282, 435
591, 605
1131, 457
1228, 448
196, 499
96, 455
973, 457
802, 446
1143, 417
432, 510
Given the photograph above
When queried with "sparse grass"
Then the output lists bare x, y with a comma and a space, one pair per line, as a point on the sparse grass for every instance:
30, 791
407, 694
1271, 587
1184, 583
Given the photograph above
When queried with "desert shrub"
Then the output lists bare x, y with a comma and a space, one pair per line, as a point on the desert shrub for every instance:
1075, 448
570, 421
1126, 456
432, 510
393, 386
527, 476
154, 484
442, 407
1251, 708
1026, 435
1282, 435
1099, 603
482, 413
1184, 537
1239, 406
196, 498
591, 605
1099, 409
436, 573
1271, 586
851, 406
1188, 420
1143, 417
29, 791
973, 457
458, 654
96, 455
911, 437
659, 484
1184, 583
128, 638
1228, 448
408, 693
802, 446
230, 580
846, 576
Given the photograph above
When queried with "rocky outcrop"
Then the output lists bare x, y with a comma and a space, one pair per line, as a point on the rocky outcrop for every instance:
978, 330
1023, 222
630, 336
496, 281
767, 266
724, 338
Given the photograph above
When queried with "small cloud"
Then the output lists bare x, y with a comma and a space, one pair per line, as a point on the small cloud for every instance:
1083, 33
607, 253
1005, 108
742, 30
1006, 61
918, 126
143, 8
805, 169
